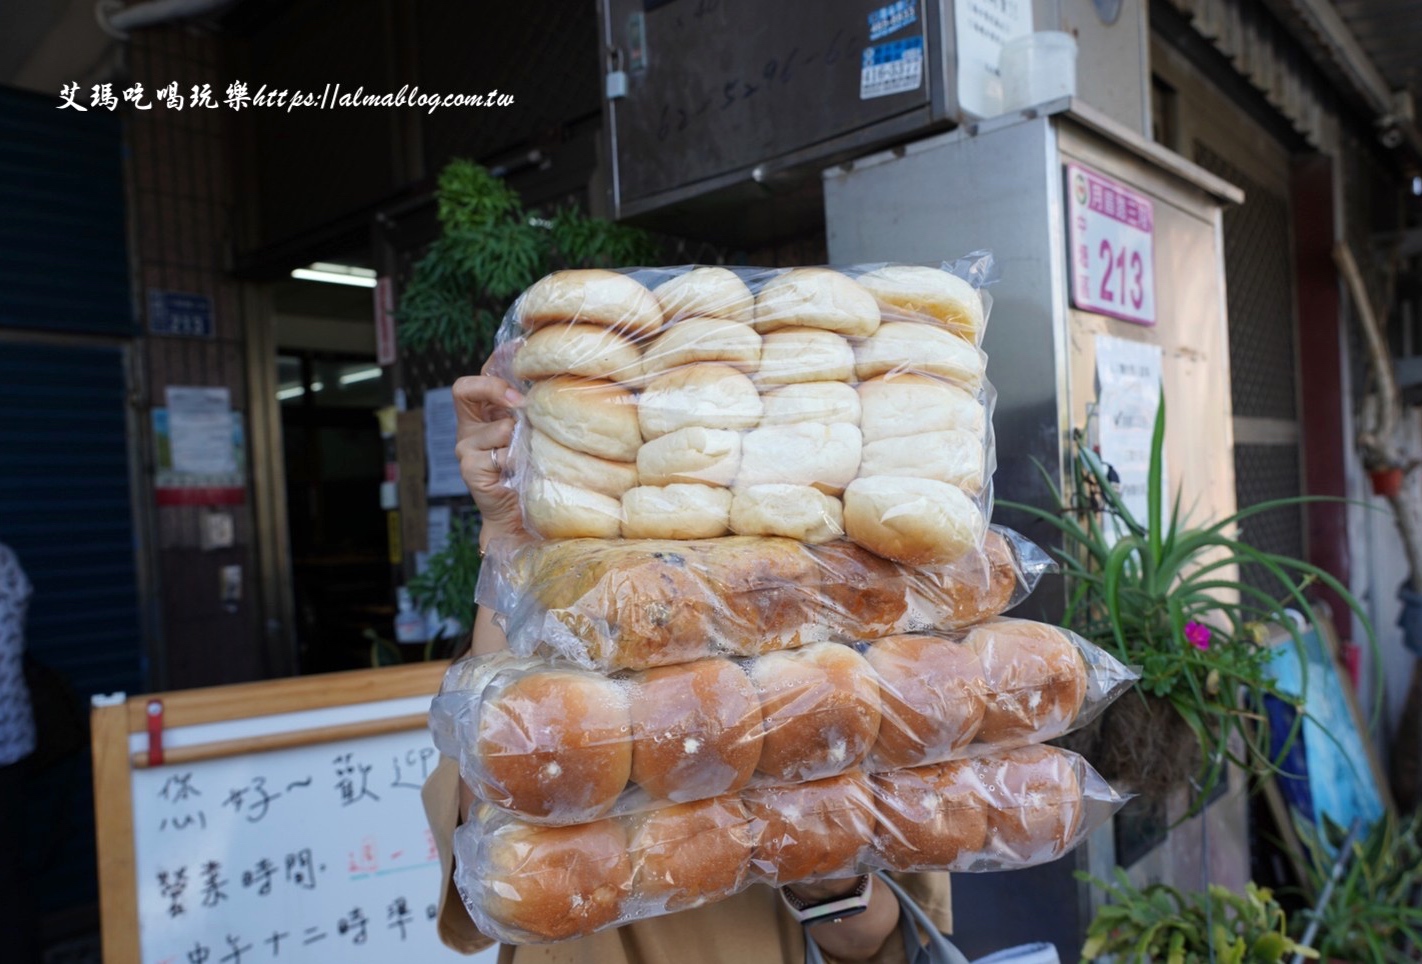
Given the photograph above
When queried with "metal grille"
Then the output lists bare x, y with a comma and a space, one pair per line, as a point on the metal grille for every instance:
1259, 283
1262, 473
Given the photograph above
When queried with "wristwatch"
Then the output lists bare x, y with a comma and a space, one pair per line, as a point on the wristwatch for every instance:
835, 909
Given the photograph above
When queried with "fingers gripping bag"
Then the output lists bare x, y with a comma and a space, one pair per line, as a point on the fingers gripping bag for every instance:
526, 883
556, 744
812, 404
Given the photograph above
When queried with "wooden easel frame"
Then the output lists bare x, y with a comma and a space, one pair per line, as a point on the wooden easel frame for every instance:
112, 724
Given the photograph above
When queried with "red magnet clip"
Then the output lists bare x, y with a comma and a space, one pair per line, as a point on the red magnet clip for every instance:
155, 733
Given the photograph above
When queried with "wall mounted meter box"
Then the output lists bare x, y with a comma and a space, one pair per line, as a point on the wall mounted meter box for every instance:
711, 101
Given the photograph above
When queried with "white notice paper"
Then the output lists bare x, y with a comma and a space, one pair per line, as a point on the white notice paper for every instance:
980, 28
1128, 381
200, 430
443, 465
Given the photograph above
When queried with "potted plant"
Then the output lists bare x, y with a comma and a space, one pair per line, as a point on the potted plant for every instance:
1167, 597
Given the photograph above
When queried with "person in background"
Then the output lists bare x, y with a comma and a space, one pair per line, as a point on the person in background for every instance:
752, 927
18, 922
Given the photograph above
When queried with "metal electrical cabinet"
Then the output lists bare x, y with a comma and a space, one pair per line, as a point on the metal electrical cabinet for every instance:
1003, 187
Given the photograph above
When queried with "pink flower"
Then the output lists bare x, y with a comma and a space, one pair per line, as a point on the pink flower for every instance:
1198, 634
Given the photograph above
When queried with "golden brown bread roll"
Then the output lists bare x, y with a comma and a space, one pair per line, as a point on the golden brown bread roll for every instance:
696, 730
1036, 680
970, 591
906, 290
592, 296
815, 298
864, 595
930, 817
1033, 802
589, 351
811, 830
706, 291
690, 854
554, 883
932, 693
555, 743
821, 709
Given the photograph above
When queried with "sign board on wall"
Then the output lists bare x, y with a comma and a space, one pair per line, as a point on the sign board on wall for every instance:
199, 447
980, 28
1111, 230
179, 313
385, 346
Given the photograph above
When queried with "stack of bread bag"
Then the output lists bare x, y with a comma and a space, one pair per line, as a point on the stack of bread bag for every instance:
754, 621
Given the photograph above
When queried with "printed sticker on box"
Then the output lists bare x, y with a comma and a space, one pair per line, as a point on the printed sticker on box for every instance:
893, 18
891, 68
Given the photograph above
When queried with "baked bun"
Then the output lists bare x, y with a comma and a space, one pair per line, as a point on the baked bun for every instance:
709, 456
1034, 802
705, 395
696, 730
863, 595
976, 588
914, 521
704, 340
824, 402
765, 595
556, 743
553, 460
821, 709
906, 346
555, 510
590, 351
591, 296
553, 883
792, 355
588, 415
1036, 680
811, 830
816, 298
931, 293
910, 404
708, 291
930, 818
680, 511
805, 453
690, 854
794, 511
932, 694
952, 456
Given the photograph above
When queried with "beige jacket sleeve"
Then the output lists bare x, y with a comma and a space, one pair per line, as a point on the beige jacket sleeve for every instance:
441, 799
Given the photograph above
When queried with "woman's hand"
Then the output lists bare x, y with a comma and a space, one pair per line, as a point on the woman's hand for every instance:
483, 409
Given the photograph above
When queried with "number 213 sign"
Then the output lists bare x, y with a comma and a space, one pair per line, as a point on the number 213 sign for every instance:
1112, 234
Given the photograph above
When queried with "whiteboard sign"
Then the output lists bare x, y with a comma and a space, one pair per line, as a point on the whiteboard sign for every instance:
313, 854
1112, 234
981, 27
1128, 379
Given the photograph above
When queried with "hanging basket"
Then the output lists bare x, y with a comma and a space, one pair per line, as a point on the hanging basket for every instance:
1140, 744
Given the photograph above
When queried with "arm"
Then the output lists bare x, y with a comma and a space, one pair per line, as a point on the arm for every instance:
857, 938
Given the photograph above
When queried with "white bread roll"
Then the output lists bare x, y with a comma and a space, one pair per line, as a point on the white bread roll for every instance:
704, 340
816, 298
793, 355
918, 522
708, 456
706, 394
943, 297
587, 350
792, 511
592, 296
588, 415
906, 346
676, 512
811, 402
805, 453
909, 404
553, 460
558, 511
710, 291
953, 456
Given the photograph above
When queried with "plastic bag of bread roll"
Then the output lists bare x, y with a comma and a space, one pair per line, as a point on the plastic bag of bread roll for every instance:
814, 404
556, 744
615, 604
524, 883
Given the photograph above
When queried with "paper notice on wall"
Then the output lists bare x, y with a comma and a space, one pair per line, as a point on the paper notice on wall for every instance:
1128, 394
443, 472
981, 27
200, 430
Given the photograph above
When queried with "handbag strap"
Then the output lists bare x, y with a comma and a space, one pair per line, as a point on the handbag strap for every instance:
912, 919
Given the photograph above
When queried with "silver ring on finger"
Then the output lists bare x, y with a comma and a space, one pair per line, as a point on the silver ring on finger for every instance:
494, 457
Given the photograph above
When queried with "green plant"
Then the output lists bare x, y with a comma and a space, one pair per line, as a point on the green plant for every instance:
489, 250
1372, 913
450, 577
1166, 597
1163, 924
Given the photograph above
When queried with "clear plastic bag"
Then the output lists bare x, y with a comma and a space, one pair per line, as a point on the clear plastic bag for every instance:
635, 604
525, 883
556, 744
815, 404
